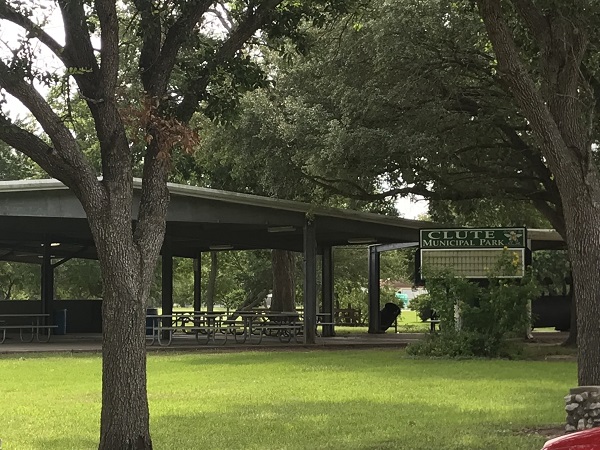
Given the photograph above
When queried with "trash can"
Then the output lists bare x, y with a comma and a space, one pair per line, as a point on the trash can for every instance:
60, 320
151, 322
403, 298
387, 316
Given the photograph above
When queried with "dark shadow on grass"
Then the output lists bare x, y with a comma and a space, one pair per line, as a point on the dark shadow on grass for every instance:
49, 355
384, 363
65, 443
252, 358
346, 425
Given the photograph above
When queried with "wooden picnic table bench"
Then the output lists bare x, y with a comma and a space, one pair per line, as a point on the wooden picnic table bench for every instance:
256, 324
202, 324
36, 329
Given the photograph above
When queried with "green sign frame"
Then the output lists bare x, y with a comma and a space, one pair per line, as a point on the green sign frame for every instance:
464, 238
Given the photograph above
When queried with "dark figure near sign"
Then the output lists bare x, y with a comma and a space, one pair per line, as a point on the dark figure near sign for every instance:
387, 316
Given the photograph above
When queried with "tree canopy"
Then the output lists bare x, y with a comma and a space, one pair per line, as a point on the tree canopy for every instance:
405, 99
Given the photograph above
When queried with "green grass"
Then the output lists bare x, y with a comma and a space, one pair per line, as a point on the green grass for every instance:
408, 322
360, 399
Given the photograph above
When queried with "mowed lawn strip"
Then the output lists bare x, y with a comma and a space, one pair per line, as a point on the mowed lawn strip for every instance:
361, 399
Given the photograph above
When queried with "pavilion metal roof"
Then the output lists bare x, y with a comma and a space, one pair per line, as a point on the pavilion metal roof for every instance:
543, 239
198, 219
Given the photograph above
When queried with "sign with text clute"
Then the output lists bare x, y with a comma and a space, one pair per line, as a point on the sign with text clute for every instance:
473, 252
455, 238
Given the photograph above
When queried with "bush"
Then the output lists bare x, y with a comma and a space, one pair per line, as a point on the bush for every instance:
466, 344
476, 319
423, 306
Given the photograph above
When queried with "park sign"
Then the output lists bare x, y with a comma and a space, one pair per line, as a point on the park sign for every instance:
473, 252
456, 238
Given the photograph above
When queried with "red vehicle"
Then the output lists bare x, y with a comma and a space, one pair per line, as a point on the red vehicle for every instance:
583, 440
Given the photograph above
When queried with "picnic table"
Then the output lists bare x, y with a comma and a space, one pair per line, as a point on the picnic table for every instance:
30, 326
205, 325
256, 324
324, 319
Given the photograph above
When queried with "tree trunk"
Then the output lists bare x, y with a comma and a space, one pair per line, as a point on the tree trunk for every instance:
572, 339
125, 414
584, 248
252, 300
212, 281
8, 293
284, 292
127, 267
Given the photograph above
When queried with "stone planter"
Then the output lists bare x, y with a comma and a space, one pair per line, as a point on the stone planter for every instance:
583, 408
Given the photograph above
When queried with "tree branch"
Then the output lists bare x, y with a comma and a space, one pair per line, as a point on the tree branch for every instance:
47, 157
225, 23
535, 21
156, 63
64, 161
109, 52
151, 31
524, 90
78, 50
34, 30
554, 214
154, 199
245, 29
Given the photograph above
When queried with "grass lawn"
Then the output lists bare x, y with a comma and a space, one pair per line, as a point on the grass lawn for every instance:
408, 322
352, 399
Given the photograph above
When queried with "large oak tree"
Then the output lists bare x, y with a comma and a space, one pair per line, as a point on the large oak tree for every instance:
555, 91
184, 64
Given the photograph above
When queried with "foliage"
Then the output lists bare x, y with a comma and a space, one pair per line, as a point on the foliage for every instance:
351, 276
19, 281
14, 165
552, 270
465, 344
425, 101
78, 279
478, 319
423, 306
491, 212
257, 152
366, 396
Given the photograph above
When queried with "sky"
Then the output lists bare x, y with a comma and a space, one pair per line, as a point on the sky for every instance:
411, 209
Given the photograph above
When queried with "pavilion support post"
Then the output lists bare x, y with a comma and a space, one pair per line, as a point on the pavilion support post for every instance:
528, 262
47, 279
198, 283
310, 282
374, 290
327, 291
167, 281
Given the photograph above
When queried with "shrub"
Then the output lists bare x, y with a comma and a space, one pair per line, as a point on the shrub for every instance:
477, 319
465, 344
423, 306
